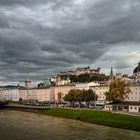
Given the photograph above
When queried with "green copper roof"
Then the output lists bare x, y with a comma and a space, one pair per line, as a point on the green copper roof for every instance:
46, 82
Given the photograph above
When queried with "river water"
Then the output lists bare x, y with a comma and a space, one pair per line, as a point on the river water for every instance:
16, 125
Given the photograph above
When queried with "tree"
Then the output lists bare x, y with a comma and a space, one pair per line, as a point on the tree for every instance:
99, 77
76, 95
73, 96
60, 96
118, 91
83, 78
88, 96
88, 77
79, 95
70, 97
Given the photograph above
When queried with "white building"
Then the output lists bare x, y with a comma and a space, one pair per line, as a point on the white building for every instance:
60, 82
64, 89
124, 106
134, 95
100, 92
38, 94
85, 86
43, 94
80, 71
11, 94
95, 71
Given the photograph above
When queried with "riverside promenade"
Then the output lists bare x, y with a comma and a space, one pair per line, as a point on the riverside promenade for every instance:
33, 108
27, 108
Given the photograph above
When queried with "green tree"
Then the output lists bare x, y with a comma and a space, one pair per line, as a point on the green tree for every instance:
98, 77
73, 78
118, 91
88, 96
88, 78
79, 96
83, 78
76, 95
71, 97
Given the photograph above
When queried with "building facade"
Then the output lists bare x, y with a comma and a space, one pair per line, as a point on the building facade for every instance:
11, 94
134, 95
40, 94
64, 89
85, 86
60, 82
100, 92
79, 71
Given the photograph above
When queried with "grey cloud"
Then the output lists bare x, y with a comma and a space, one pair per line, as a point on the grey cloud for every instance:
55, 35
30, 3
3, 21
51, 48
108, 22
20, 2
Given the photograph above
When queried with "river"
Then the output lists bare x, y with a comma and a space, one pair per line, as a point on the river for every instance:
16, 125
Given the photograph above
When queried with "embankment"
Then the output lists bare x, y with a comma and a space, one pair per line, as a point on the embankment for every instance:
92, 116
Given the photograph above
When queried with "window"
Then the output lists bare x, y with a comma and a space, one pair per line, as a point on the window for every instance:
130, 107
135, 108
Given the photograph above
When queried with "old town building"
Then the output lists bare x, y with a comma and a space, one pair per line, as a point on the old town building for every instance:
63, 89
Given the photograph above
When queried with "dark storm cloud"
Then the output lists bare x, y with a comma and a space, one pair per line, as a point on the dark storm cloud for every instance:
20, 2
30, 3
46, 36
3, 21
51, 48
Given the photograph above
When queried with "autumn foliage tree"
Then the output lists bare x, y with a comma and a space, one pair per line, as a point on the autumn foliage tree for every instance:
118, 91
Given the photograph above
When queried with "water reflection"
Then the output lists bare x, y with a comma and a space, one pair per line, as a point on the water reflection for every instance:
24, 126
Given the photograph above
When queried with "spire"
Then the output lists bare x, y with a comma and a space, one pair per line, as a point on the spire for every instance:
111, 74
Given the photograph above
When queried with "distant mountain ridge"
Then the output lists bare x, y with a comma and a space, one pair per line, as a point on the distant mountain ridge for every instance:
9, 86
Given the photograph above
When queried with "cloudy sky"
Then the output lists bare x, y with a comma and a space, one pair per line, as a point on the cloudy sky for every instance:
39, 38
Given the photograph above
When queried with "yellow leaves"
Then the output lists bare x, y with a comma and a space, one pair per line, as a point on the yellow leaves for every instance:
118, 90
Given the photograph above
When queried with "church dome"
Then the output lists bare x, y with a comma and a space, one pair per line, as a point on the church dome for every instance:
137, 69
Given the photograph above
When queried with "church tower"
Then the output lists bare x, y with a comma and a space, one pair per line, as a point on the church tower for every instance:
28, 83
111, 77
